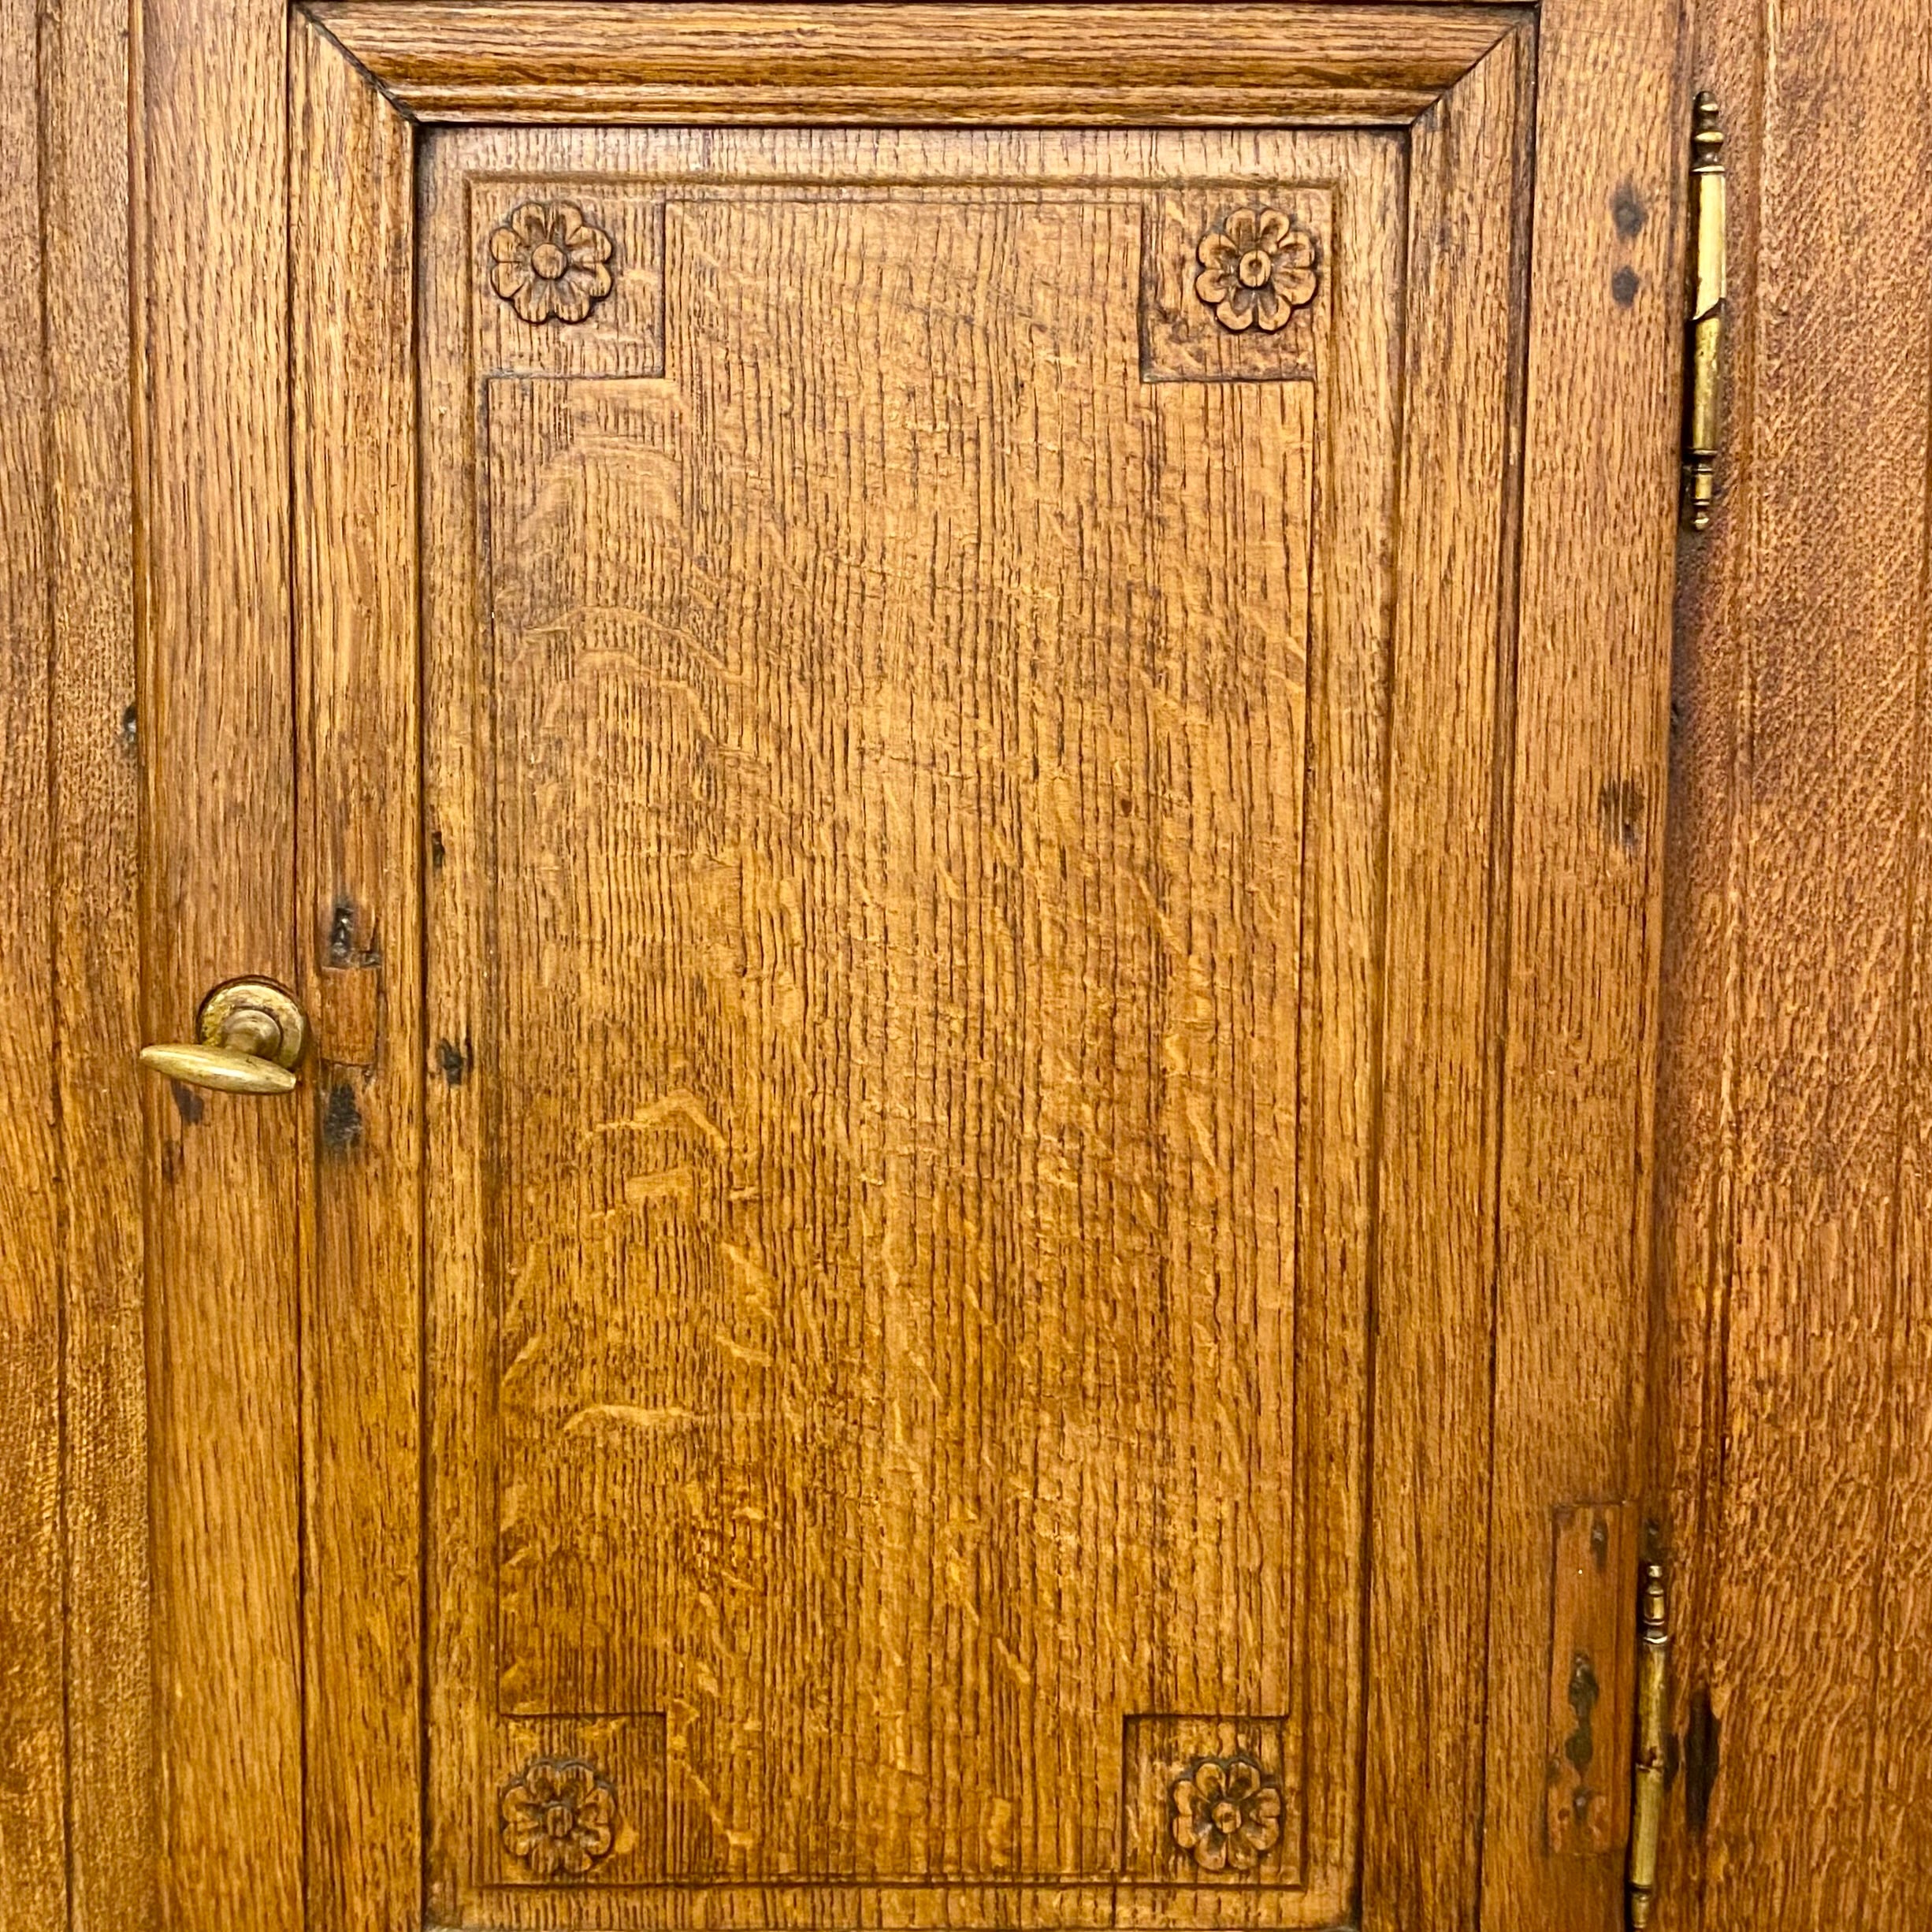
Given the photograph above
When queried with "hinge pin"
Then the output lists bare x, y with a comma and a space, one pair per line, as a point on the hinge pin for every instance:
1653, 1724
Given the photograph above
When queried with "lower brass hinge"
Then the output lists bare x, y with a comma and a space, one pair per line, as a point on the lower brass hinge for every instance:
1652, 1740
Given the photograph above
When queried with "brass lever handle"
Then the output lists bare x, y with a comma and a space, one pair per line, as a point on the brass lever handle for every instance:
252, 1033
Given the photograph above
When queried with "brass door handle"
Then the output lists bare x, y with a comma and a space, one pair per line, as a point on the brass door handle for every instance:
252, 1033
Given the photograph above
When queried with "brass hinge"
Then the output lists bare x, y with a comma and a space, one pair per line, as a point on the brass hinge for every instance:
1652, 1740
1705, 325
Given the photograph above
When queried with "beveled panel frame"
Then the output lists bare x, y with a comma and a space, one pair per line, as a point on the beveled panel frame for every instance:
919, 65
1354, 508
1580, 578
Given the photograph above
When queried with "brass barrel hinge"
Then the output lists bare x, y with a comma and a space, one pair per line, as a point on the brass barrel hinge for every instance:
1704, 326
1652, 1755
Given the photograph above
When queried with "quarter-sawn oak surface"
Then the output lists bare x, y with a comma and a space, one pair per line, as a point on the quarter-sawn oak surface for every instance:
1157, 850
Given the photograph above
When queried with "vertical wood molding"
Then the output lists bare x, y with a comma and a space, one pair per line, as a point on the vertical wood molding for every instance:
84, 75
1590, 705
1792, 1216
32, 1656
1435, 1213
353, 280
224, 1177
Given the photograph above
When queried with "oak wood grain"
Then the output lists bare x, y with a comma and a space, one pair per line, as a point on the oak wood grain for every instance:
554, 449
1359, 491
1791, 1212
358, 890
216, 723
455, 908
917, 65
112, 1811
256, 1405
1590, 709
33, 1879
1435, 1206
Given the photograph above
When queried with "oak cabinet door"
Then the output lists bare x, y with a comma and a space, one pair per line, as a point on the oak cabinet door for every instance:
978, 707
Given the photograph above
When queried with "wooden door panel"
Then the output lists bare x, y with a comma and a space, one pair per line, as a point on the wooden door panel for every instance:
871, 937
945, 983
892, 642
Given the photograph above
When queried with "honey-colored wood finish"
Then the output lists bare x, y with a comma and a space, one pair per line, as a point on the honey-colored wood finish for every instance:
922, 1264
111, 1805
1792, 1209
358, 968
224, 1185
32, 1647
1429, 1836
1301, 868
1138, 65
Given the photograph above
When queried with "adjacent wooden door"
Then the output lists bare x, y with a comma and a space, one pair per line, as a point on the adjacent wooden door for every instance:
975, 747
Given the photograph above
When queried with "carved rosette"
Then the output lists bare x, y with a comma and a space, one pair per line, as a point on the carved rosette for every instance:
549, 263
559, 1816
1226, 1813
1257, 269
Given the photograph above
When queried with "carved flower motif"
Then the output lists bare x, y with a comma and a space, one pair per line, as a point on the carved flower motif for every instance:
550, 262
559, 1816
1227, 1812
1257, 269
